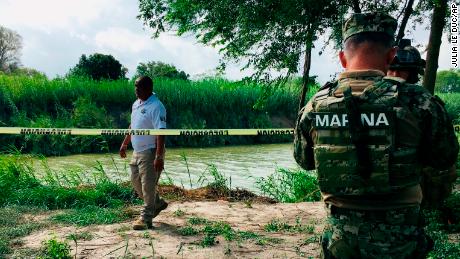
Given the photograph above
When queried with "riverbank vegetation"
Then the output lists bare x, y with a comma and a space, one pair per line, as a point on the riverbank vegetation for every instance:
35, 101
83, 103
90, 197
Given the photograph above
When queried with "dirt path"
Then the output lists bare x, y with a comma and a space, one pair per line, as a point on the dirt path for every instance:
166, 241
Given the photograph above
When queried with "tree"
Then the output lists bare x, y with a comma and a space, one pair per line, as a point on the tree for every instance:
160, 69
448, 81
419, 14
99, 66
10, 49
271, 35
28, 72
438, 23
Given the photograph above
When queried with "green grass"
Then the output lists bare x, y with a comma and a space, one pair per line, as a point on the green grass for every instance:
188, 231
54, 248
92, 215
210, 230
279, 225
83, 103
100, 202
290, 186
452, 101
211, 177
197, 221
179, 213
20, 186
13, 225
85, 235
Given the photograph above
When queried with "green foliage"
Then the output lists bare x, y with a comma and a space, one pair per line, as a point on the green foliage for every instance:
159, 69
220, 228
247, 235
188, 231
85, 235
218, 181
208, 240
290, 186
452, 211
29, 72
13, 225
179, 213
53, 248
442, 222
75, 102
92, 215
98, 66
277, 225
436, 229
98, 203
254, 30
452, 101
262, 241
86, 114
20, 187
197, 221
448, 81
269, 35
212, 229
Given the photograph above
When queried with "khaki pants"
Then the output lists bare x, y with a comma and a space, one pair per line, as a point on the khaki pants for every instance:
145, 179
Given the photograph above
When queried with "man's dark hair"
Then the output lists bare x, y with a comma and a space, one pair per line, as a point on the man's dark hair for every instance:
382, 40
145, 81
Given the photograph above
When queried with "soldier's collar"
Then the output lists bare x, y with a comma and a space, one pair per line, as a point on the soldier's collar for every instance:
361, 74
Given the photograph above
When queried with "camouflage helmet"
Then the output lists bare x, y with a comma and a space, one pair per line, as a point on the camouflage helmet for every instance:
369, 22
408, 58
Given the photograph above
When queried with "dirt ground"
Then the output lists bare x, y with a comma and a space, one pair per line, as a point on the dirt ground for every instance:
164, 241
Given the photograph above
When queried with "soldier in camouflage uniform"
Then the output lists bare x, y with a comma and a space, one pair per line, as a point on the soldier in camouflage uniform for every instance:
368, 136
436, 184
407, 64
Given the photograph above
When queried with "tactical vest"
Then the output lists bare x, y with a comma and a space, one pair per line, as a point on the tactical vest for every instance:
356, 152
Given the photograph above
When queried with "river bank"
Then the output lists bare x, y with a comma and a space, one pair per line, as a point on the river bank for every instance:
187, 167
60, 211
201, 223
241, 230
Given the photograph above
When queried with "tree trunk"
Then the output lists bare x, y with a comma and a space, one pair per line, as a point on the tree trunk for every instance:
437, 25
306, 69
407, 13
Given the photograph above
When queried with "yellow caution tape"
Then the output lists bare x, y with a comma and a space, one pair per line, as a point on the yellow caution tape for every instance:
155, 132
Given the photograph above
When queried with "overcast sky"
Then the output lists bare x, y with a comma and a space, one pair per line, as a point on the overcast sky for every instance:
57, 32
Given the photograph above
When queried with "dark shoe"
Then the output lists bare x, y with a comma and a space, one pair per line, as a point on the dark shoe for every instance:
161, 207
141, 224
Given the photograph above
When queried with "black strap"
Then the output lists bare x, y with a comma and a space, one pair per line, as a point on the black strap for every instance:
327, 85
358, 135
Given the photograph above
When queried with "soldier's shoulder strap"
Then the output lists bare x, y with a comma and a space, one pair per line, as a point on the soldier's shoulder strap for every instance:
394, 79
386, 86
325, 90
328, 85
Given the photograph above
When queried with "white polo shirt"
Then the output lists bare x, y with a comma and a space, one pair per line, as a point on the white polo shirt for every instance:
150, 114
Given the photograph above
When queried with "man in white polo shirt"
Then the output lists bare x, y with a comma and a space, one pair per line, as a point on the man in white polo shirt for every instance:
148, 156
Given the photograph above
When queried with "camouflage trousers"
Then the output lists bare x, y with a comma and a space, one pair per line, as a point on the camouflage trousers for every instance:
374, 234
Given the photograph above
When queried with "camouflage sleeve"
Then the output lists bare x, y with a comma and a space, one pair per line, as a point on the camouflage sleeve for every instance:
440, 144
303, 143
